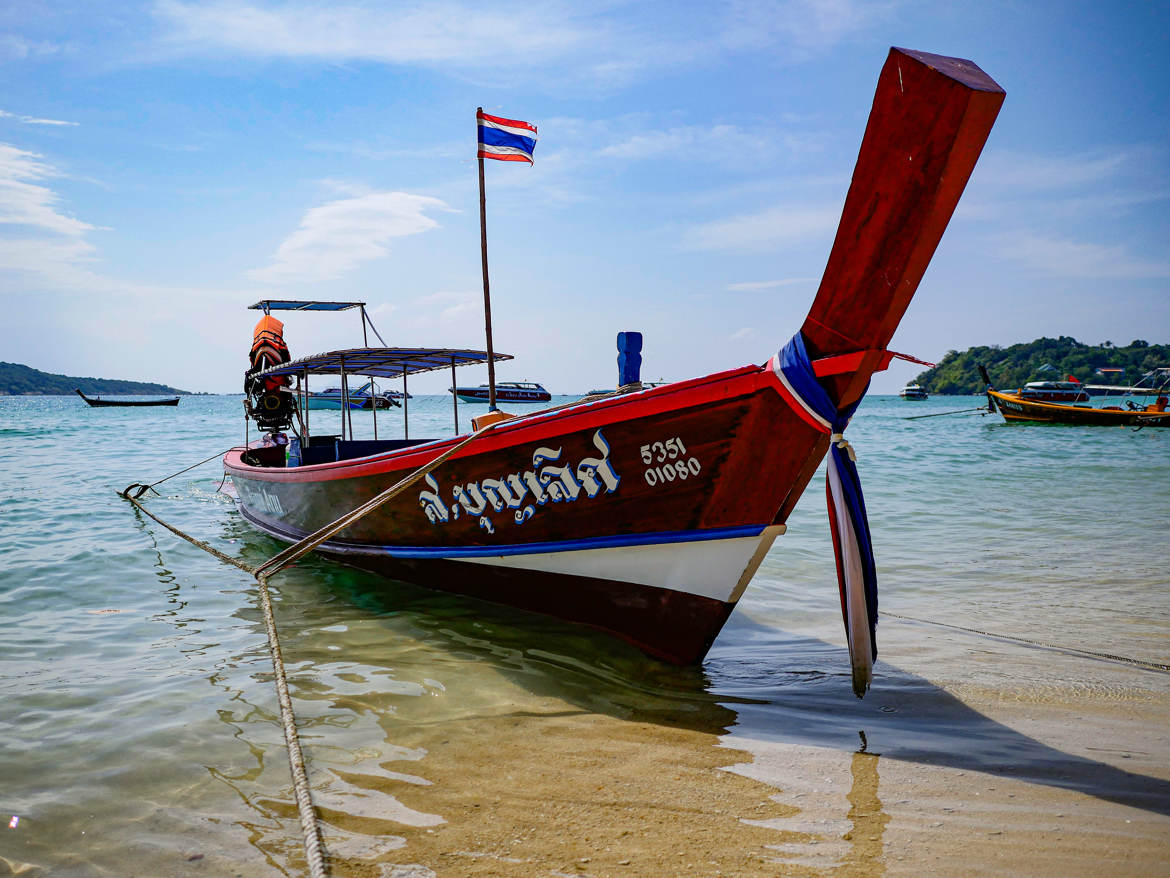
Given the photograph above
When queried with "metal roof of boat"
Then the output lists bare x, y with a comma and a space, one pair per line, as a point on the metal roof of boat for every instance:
299, 305
382, 362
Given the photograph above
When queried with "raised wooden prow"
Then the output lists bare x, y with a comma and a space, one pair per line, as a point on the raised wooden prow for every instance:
931, 116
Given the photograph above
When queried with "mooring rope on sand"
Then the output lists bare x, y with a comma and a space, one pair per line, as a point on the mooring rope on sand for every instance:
1075, 650
310, 828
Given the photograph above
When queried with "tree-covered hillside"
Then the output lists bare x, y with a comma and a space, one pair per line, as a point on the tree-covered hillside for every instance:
1043, 359
18, 380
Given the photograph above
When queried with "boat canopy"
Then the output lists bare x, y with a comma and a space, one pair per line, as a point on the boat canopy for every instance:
267, 305
382, 362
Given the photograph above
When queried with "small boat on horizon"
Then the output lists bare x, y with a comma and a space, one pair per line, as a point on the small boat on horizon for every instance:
913, 391
506, 391
98, 402
362, 399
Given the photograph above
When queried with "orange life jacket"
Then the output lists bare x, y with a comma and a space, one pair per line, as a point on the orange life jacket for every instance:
269, 349
269, 333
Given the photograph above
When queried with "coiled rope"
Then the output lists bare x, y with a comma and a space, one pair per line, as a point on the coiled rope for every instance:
296, 761
1075, 650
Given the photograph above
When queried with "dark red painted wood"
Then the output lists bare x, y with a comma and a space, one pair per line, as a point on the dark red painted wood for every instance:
749, 445
930, 119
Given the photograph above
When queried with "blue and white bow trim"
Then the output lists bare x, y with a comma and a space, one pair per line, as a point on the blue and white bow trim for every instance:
856, 572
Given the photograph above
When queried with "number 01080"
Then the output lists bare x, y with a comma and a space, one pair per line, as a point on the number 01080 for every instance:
668, 460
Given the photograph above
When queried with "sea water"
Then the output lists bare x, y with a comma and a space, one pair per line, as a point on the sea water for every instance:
139, 732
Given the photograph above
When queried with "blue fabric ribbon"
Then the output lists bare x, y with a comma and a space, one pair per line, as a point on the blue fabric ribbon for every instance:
793, 361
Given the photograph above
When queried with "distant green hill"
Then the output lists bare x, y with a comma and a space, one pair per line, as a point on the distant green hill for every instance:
1044, 358
18, 380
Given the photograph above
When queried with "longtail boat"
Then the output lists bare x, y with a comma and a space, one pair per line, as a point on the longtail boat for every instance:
1015, 407
98, 402
645, 514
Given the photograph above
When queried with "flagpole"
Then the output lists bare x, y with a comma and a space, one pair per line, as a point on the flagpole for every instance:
487, 299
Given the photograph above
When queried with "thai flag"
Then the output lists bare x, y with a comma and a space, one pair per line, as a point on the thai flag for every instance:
508, 140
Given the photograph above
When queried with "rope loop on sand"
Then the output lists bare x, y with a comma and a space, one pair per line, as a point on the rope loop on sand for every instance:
133, 492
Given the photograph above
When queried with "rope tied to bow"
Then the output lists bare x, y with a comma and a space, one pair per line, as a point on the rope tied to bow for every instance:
852, 547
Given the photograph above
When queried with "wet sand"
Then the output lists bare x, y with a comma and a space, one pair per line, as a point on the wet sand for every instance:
560, 791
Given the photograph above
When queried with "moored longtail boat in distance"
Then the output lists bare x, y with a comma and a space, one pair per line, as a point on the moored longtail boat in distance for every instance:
98, 402
1015, 407
645, 514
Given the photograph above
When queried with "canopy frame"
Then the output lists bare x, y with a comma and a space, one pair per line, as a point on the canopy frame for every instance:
384, 362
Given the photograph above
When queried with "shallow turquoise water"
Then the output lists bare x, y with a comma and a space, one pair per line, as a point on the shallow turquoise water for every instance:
138, 725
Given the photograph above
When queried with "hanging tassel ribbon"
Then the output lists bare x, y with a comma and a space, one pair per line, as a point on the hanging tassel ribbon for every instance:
856, 572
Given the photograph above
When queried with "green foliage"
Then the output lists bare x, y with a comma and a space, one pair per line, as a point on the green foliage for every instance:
1012, 367
18, 380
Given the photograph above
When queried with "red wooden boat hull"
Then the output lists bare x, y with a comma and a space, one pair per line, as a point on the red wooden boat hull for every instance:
646, 514
647, 521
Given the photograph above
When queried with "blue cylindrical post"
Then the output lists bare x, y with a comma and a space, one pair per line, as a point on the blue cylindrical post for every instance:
629, 345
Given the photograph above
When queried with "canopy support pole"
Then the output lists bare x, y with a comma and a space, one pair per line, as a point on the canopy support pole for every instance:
374, 404
405, 408
455, 396
305, 385
345, 402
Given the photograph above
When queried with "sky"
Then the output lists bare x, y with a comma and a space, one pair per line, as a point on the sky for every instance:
165, 164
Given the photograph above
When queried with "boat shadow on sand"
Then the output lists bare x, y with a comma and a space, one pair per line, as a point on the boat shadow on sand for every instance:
777, 690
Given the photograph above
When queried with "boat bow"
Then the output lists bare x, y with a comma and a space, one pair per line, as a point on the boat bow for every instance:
931, 116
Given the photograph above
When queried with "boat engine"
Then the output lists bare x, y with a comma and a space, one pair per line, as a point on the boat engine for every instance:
269, 401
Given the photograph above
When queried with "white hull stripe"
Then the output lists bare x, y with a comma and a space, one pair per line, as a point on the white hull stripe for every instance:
711, 568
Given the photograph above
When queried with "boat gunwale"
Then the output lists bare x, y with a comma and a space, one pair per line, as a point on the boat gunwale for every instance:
645, 403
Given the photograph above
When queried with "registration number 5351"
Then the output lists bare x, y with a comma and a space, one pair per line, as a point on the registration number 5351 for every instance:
668, 460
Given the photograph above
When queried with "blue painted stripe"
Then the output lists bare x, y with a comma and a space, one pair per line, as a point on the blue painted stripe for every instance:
610, 542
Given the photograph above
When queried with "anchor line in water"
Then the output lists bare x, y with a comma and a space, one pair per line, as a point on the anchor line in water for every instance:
309, 824
940, 414
1075, 650
143, 488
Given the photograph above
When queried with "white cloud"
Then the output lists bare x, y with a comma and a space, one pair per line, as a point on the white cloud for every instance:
33, 120
742, 334
44, 245
54, 263
18, 48
26, 203
440, 32
754, 285
336, 237
719, 142
1063, 258
801, 26
607, 44
764, 229
1025, 172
